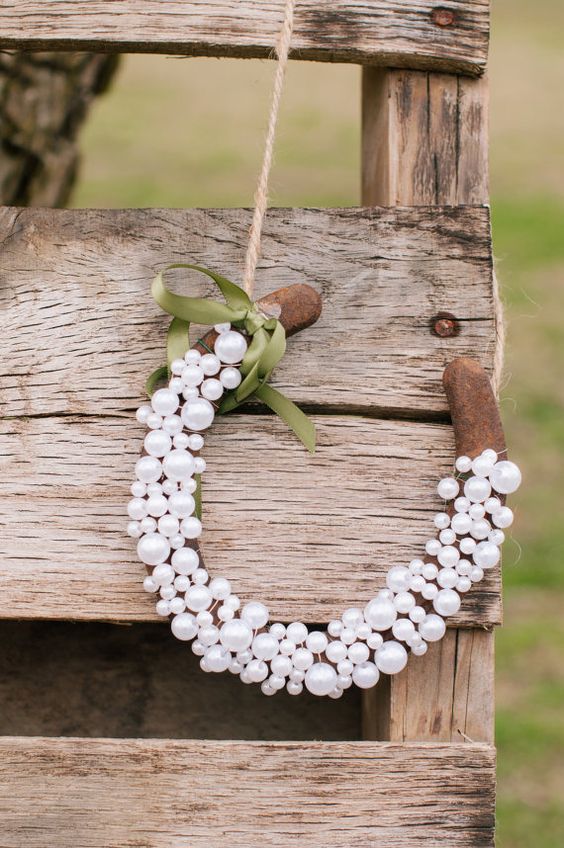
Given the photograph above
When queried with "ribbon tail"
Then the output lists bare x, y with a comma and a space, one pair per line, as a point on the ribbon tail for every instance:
296, 420
177, 340
155, 378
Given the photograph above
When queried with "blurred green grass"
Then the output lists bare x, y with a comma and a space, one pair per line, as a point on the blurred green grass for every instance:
188, 132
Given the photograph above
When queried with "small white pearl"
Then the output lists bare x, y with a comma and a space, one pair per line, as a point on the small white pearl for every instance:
397, 579
153, 549
334, 628
281, 666
230, 347
276, 682
365, 675
191, 528
265, 646
204, 618
208, 635
199, 465
433, 547
417, 614
138, 489
403, 629
429, 591
212, 389
192, 356
486, 555
380, 614
164, 402
316, 642
505, 477
480, 529
162, 608
217, 658
222, 328
477, 489
448, 556
134, 529
432, 628
404, 602
441, 521
375, 640
297, 632
225, 614
297, 676
278, 630
302, 659
461, 523
416, 583
181, 441
462, 505
157, 505
220, 588
210, 364
294, 688
200, 576
177, 366
178, 465
345, 667
447, 537
198, 598
482, 466
177, 605
348, 636
287, 647
148, 525
148, 469
447, 578
172, 425
176, 385
448, 488
195, 441
257, 671
190, 393
416, 566
463, 567
137, 509
476, 511
255, 614
363, 630
232, 602
320, 678
267, 689
463, 464
344, 681
467, 545
476, 574
154, 421
181, 583
336, 651
503, 517
192, 376
188, 485
497, 537
235, 667
391, 657
197, 414
358, 652
430, 571
168, 525
492, 504
419, 650
185, 561
150, 584
352, 617
463, 584
143, 413
181, 504
154, 489
197, 648
447, 602
230, 378
170, 487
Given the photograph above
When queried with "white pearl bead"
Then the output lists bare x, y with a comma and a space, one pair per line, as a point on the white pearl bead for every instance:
497, 537
480, 529
157, 505
134, 529
477, 489
363, 630
185, 561
397, 578
197, 648
137, 509
348, 635
192, 356
164, 402
143, 413
230, 347
177, 366
380, 614
447, 602
188, 485
352, 617
297, 632
486, 555
463, 464
265, 646
154, 489
150, 584
316, 642
375, 640
209, 635
441, 521
297, 676
267, 689
244, 656
462, 505
236, 635
222, 328
204, 618
181, 583
200, 576
336, 651
178, 465
197, 414
430, 571
492, 504
503, 517
199, 465
181, 504
230, 378
224, 613
391, 657
191, 528
463, 584
417, 614
198, 598
220, 588
447, 537
210, 364
287, 647
294, 688
278, 630
335, 628
414, 640
281, 666
195, 442
162, 608
482, 466
235, 667
168, 525
448, 488
192, 376
232, 602
403, 629
177, 605
505, 477
154, 421
467, 545
276, 682
217, 658
429, 591
172, 425
153, 549
190, 393
138, 489
257, 671
447, 578
148, 469
416, 566
212, 389
461, 523
365, 675
163, 574
345, 667
302, 659
320, 679
448, 556
255, 614
432, 628
463, 567
176, 385
358, 652
344, 681
419, 650
148, 525
476, 511
433, 547
404, 601
476, 574
180, 441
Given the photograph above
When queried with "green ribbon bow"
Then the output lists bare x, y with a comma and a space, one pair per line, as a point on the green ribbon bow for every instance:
266, 349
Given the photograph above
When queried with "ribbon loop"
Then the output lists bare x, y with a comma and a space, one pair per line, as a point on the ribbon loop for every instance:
266, 348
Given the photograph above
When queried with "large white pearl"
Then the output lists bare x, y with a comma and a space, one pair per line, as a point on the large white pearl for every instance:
192, 376
316, 642
230, 347
164, 402
265, 645
448, 488
336, 651
486, 555
230, 378
257, 671
197, 414
505, 477
137, 509
503, 517
380, 614
220, 588
198, 598
148, 469
397, 578
153, 548
157, 443
447, 602
391, 658
168, 525
320, 679
403, 629
461, 523
217, 658
157, 505
477, 489
181, 504
302, 659
296, 632
178, 465
432, 628
212, 389
448, 556
185, 561
184, 626
365, 675
236, 635
255, 614
191, 528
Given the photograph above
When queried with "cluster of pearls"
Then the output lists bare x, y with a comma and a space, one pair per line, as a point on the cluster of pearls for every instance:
227, 635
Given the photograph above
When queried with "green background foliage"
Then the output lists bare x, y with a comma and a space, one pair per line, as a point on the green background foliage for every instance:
188, 132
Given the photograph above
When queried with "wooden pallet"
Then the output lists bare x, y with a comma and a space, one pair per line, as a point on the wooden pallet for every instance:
81, 334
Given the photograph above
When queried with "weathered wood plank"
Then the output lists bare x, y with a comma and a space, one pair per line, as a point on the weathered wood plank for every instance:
291, 529
100, 792
418, 34
83, 331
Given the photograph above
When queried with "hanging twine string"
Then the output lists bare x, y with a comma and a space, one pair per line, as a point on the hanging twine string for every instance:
261, 194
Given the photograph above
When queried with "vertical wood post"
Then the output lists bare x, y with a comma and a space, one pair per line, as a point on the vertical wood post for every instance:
425, 142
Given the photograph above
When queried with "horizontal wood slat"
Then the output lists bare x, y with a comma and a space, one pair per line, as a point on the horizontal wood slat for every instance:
83, 332
416, 34
100, 792
309, 536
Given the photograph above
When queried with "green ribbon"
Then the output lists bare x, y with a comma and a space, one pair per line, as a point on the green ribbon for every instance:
266, 348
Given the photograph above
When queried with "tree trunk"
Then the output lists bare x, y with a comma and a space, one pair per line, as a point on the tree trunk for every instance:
44, 98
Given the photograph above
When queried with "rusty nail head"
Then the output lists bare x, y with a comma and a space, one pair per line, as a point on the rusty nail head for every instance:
443, 17
445, 325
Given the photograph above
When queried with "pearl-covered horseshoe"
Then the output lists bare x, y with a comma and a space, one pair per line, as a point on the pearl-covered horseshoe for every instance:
403, 617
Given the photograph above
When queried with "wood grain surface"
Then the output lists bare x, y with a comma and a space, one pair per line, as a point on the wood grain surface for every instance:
97, 793
307, 535
417, 34
83, 332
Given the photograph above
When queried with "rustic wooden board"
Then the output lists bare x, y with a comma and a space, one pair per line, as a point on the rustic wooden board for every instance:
309, 536
83, 332
418, 34
104, 792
